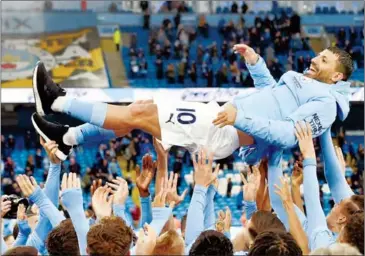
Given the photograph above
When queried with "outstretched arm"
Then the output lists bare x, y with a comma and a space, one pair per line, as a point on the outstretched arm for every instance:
274, 174
143, 181
256, 66
160, 213
203, 178
72, 200
296, 181
318, 232
332, 169
209, 214
24, 229
295, 226
51, 190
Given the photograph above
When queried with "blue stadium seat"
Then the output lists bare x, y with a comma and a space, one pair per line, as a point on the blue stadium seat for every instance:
318, 10
218, 9
333, 10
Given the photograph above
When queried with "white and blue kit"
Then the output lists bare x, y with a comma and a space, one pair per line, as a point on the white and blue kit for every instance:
269, 115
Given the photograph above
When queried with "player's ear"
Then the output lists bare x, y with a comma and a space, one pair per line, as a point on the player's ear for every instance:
337, 76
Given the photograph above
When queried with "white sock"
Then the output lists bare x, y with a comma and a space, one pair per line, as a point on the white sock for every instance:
70, 137
59, 104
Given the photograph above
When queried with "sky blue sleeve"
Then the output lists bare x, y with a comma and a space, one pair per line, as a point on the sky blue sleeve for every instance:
73, 201
260, 74
119, 210
24, 231
160, 217
51, 191
209, 214
319, 234
279, 133
250, 208
4, 247
195, 217
335, 178
146, 205
52, 186
275, 172
46, 206
34, 239
312, 201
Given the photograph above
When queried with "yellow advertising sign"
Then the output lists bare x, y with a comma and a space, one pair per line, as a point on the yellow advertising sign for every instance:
74, 59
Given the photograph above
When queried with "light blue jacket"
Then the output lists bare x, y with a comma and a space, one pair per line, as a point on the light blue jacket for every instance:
270, 113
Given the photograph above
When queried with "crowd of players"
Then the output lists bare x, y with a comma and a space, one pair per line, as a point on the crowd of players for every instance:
60, 225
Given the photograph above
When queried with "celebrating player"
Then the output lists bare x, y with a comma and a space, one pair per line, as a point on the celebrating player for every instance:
266, 117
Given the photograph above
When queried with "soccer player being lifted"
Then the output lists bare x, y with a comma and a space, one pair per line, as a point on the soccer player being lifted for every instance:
255, 122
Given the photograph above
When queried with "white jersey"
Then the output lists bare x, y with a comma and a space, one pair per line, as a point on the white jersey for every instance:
190, 125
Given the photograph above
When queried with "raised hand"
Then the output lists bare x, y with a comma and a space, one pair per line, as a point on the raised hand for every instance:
144, 179
21, 213
120, 190
224, 221
96, 184
51, 149
161, 152
303, 132
5, 206
101, 204
203, 173
70, 181
263, 168
27, 185
284, 193
250, 185
160, 199
247, 52
172, 194
254, 176
146, 240
227, 116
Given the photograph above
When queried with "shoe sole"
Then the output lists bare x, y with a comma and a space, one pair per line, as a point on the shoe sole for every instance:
38, 102
58, 153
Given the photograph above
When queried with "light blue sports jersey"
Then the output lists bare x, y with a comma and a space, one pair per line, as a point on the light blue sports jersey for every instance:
270, 113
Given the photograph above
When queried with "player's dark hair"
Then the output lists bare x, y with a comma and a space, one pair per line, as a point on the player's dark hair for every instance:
110, 236
275, 242
356, 203
22, 251
262, 221
62, 240
346, 65
354, 230
212, 243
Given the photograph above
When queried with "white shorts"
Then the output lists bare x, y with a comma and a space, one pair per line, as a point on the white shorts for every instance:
190, 125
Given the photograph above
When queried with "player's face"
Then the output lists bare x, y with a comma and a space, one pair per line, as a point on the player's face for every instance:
323, 68
335, 218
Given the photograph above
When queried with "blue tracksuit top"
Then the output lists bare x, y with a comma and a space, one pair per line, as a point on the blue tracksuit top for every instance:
270, 113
